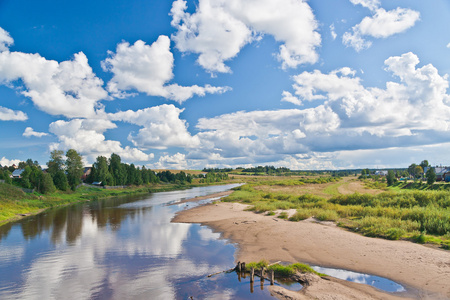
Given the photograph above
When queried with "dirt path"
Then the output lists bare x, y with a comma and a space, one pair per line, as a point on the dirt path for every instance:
351, 186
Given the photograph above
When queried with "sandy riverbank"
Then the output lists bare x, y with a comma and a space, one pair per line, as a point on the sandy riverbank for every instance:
196, 199
424, 271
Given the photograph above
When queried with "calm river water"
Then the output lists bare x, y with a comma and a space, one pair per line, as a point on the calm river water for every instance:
119, 249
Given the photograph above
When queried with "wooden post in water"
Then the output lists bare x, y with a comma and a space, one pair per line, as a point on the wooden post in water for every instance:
238, 267
272, 276
252, 274
243, 266
262, 278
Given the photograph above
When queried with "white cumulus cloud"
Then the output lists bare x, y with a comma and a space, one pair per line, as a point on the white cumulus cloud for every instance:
7, 114
5, 40
69, 88
418, 102
9, 162
381, 24
87, 137
29, 132
414, 110
370, 4
148, 69
161, 127
176, 161
333, 31
218, 30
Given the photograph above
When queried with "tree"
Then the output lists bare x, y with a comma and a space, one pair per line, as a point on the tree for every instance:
145, 175
60, 180
117, 170
131, 175
418, 171
32, 163
74, 168
47, 185
56, 162
424, 164
25, 178
100, 171
412, 170
390, 178
431, 176
5, 175
138, 177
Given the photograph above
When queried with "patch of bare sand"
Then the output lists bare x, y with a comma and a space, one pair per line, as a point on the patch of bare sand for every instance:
351, 187
424, 271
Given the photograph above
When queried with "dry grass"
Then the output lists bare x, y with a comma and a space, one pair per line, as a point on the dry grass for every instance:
348, 185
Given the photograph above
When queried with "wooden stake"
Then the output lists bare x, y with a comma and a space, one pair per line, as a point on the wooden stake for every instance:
252, 274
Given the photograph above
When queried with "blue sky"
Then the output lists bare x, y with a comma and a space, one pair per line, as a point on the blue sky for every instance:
190, 84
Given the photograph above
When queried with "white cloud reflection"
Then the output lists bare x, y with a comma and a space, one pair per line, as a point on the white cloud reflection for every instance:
140, 258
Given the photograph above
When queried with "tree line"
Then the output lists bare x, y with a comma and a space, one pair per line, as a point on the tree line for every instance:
113, 172
64, 172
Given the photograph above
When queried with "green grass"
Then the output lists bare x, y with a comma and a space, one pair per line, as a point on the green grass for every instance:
283, 215
281, 270
333, 189
394, 214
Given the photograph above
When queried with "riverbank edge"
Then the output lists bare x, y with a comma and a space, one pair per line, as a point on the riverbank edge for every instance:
259, 237
85, 196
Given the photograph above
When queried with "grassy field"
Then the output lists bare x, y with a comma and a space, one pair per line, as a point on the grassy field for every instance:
370, 208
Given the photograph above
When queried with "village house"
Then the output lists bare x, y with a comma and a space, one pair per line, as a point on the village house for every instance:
86, 172
17, 173
381, 173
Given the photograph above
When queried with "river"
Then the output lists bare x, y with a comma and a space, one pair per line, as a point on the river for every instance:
122, 248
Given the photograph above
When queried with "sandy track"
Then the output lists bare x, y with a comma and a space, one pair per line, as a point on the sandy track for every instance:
351, 187
424, 271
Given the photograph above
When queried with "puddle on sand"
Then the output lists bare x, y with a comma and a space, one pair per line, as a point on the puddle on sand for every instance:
375, 281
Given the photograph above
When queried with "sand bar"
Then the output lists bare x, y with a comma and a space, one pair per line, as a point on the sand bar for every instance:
210, 196
424, 271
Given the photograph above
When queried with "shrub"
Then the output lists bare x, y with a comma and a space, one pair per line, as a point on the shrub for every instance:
301, 214
326, 215
283, 215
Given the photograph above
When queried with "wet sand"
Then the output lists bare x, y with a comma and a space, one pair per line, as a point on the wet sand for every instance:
422, 270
